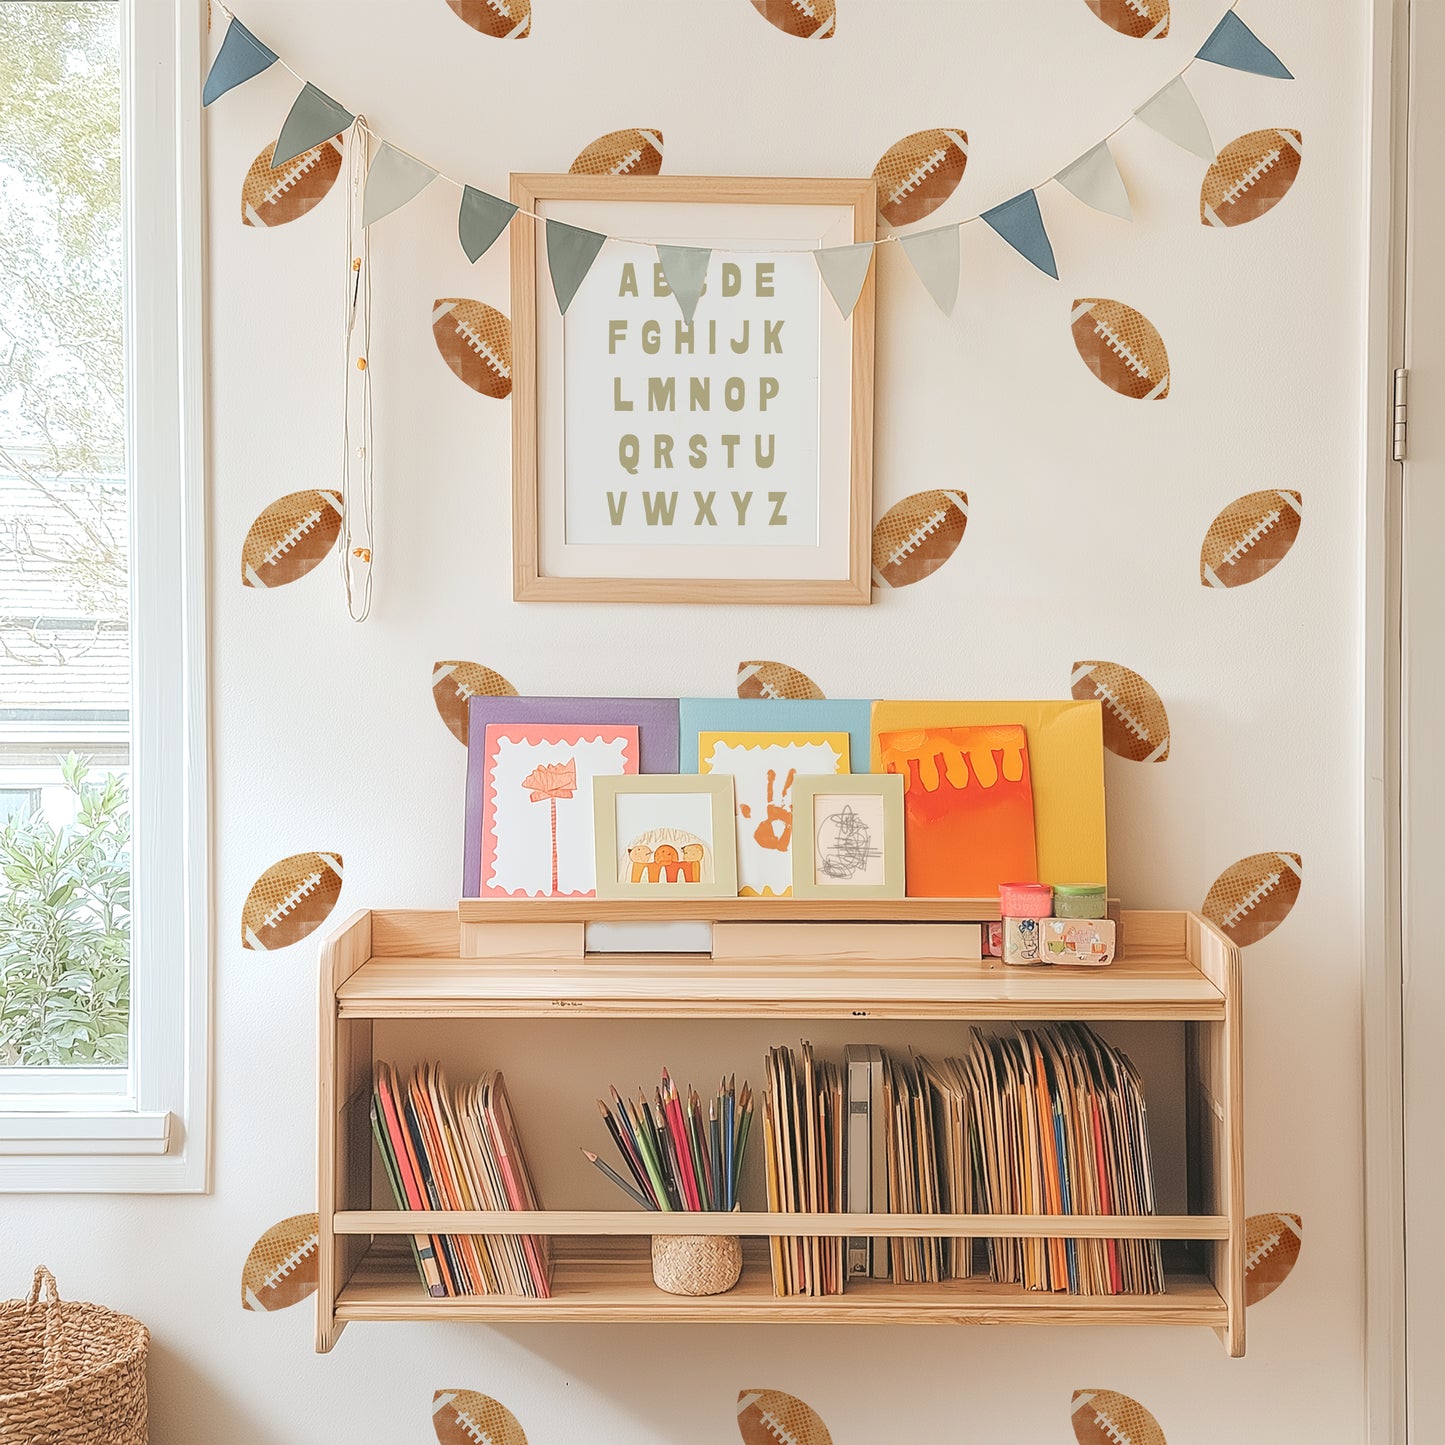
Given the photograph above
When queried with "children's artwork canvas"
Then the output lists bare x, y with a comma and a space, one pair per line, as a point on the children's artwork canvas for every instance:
764, 767
968, 807
662, 836
538, 836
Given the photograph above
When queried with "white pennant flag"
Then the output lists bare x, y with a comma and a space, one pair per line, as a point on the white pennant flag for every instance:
934, 255
1175, 115
394, 179
1095, 180
844, 269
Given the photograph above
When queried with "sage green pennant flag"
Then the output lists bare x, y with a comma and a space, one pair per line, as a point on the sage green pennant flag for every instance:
686, 270
1095, 180
481, 219
570, 254
934, 255
394, 179
314, 117
1174, 113
844, 269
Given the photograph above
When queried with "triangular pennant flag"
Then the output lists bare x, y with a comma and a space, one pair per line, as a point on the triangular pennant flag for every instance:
1095, 180
1234, 44
844, 269
686, 270
481, 219
314, 117
241, 58
394, 179
1175, 115
570, 254
1018, 221
934, 255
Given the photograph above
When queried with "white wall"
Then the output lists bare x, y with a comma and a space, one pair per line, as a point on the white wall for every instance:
326, 735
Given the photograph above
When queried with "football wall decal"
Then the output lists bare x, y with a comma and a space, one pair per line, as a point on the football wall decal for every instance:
1249, 537
776, 680
1122, 348
806, 19
1271, 1249
504, 19
281, 1267
467, 1417
1136, 725
271, 197
452, 683
770, 1417
916, 536
290, 537
621, 153
475, 340
1141, 19
1249, 177
1105, 1417
1251, 898
919, 173
290, 900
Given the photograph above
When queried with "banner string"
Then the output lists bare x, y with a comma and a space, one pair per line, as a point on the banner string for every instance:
362, 126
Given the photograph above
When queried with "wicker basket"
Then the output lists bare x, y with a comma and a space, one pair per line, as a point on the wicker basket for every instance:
695, 1263
70, 1373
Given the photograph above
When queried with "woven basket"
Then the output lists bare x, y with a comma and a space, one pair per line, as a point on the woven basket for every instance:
695, 1263
70, 1373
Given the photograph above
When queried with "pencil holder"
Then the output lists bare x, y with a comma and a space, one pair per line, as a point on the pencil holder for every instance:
696, 1264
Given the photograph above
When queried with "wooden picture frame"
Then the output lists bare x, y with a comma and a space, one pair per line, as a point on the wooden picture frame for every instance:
578, 463
665, 877
887, 788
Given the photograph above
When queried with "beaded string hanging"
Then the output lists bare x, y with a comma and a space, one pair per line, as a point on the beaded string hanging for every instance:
357, 460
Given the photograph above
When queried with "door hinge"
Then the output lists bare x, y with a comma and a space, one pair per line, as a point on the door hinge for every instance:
1402, 411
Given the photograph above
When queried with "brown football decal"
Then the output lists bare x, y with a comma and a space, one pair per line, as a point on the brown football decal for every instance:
453, 683
916, 536
1250, 176
290, 900
467, 1417
475, 340
1141, 19
504, 19
807, 19
1136, 726
1249, 537
271, 196
1105, 1417
1271, 1248
919, 173
290, 537
1251, 898
1122, 348
776, 680
629, 152
769, 1417
281, 1267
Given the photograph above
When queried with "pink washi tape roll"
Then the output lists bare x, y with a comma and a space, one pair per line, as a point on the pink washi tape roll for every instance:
1025, 900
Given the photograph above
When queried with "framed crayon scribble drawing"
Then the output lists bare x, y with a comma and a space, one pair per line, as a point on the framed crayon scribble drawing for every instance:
848, 836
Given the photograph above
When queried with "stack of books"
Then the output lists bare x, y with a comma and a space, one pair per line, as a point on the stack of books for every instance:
803, 1141
459, 1149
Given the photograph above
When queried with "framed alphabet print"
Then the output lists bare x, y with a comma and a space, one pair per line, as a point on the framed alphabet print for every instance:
725, 458
848, 836
665, 837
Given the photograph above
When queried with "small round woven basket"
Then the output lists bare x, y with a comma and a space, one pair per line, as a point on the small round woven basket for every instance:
696, 1263
70, 1373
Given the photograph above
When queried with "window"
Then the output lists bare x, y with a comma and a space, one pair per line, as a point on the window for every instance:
104, 1000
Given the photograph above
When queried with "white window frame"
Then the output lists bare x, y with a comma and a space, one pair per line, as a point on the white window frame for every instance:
151, 1133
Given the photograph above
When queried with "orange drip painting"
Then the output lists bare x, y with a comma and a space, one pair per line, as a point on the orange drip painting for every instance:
968, 808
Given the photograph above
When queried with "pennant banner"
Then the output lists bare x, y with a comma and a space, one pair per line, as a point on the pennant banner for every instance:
314, 117
1234, 44
481, 219
1018, 221
570, 254
241, 58
1174, 113
686, 270
934, 255
844, 269
1094, 179
394, 179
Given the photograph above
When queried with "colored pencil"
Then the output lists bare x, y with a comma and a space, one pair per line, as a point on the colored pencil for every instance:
617, 1179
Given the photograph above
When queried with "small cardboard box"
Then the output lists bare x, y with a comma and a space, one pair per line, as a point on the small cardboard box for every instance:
1086, 941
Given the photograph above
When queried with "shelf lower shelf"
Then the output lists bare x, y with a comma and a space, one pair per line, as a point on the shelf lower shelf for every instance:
610, 1281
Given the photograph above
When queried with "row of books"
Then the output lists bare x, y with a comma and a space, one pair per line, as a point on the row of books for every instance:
445, 1148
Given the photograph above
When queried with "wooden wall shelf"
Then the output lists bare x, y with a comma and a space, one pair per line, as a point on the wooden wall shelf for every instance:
1173, 967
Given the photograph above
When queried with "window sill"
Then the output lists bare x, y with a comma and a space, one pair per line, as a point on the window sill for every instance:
53, 1132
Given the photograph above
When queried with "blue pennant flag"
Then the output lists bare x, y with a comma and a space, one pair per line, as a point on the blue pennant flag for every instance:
1234, 44
314, 117
1018, 221
241, 58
